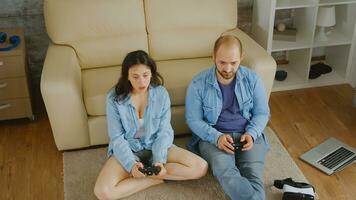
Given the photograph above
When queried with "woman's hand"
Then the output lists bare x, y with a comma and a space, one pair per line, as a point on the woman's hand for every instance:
163, 169
135, 172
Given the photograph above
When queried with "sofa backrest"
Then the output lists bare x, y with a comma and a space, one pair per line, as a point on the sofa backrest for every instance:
187, 28
101, 32
178, 34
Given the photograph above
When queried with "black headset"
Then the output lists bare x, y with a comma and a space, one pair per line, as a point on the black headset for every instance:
14, 41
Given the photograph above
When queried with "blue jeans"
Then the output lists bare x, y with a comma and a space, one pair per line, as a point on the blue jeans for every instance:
243, 181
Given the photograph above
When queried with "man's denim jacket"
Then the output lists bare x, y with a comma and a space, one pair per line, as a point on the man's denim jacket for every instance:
123, 124
204, 103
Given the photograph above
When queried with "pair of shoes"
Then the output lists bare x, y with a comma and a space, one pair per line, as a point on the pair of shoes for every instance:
289, 181
318, 69
295, 190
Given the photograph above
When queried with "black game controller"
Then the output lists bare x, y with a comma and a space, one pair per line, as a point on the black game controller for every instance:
238, 145
150, 170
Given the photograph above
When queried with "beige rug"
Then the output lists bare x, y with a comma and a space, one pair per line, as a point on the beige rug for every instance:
82, 167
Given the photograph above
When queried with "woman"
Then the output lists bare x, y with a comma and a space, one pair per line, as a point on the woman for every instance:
138, 115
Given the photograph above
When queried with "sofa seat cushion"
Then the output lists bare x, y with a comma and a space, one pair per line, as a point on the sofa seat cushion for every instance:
96, 83
98, 132
177, 75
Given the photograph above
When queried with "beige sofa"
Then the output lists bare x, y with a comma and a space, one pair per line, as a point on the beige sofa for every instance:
90, 38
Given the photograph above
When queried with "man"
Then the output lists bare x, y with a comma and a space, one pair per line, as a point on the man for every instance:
227, 102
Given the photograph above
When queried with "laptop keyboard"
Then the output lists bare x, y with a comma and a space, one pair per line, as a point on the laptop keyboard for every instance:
336, 157
345, 164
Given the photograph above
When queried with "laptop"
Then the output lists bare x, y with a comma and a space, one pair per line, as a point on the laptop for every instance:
330, 156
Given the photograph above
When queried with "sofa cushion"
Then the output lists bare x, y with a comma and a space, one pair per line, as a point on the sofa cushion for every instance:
177, 75
200, 23
98, 131
101, 32
96, 83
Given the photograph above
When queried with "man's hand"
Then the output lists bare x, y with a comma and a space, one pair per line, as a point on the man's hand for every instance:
225, 143
249, 141
135, 172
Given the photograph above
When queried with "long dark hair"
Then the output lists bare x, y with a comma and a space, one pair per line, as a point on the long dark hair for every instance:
124, 87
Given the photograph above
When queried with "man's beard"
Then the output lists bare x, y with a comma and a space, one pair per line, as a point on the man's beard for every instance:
226, 75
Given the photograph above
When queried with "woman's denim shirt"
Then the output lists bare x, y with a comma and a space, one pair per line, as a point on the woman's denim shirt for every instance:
204, 103
123, 124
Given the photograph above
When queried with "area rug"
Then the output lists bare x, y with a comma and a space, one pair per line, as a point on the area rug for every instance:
82, 167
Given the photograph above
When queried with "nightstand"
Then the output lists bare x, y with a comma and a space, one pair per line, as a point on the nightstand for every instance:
15, 101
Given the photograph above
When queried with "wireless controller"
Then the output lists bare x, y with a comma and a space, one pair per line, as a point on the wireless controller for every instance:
238, 145
150, 170
237, 148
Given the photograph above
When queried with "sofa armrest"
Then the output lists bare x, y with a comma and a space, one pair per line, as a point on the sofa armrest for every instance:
256, 58
61, 90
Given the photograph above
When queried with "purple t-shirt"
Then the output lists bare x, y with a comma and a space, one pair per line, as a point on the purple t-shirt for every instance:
230, 119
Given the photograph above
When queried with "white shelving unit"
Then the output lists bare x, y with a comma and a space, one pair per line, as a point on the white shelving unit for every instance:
339, 50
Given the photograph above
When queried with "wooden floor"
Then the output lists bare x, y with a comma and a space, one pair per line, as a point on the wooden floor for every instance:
31, 167
305, 118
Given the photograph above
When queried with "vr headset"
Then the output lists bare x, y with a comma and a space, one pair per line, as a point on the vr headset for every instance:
13, 40
295, 190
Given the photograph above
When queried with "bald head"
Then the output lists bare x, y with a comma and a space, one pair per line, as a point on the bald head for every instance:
227, 57
229, 41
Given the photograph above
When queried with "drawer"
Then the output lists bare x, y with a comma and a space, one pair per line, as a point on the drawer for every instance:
13, 88
15, 108
12, 66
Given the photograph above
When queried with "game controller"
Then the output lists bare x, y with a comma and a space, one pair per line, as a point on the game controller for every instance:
150, 170
238, 145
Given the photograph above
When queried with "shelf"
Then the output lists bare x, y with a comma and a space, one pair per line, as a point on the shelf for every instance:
293, 80
331, 78
278, 45
305, 28
342, 32
337, 59
334, 38
296, 70
335, 2
289, 4
339, 52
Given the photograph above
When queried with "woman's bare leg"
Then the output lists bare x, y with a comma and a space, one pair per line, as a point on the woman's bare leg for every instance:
184, 165
114, 182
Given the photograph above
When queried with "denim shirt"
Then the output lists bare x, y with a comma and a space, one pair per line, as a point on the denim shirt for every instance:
123, 124
204, 104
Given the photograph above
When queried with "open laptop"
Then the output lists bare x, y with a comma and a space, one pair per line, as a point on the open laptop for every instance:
330, 156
